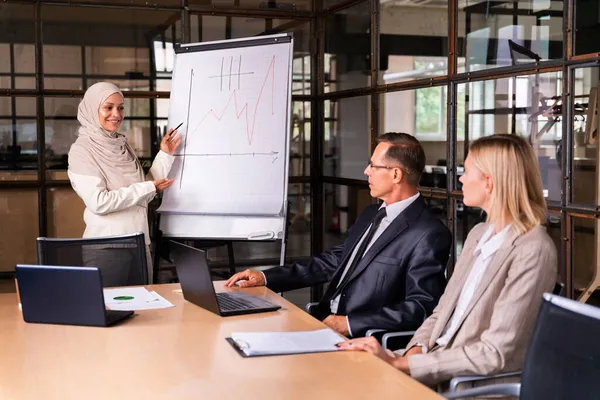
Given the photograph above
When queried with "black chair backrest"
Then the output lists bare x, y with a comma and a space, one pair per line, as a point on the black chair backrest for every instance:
121, 259
563, 357
558, 288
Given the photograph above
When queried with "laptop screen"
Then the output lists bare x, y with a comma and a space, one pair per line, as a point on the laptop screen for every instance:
194, 276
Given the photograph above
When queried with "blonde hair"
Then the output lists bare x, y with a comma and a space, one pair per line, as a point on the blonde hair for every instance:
517, 194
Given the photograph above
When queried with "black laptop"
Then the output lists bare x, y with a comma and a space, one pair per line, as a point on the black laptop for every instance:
64, 295
197, 287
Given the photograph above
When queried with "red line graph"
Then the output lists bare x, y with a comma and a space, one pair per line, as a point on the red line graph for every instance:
244, 109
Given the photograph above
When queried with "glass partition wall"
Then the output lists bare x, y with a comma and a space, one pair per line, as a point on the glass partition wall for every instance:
444, 71
51, 53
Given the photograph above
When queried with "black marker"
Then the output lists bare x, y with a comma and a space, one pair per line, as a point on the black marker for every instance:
170, 134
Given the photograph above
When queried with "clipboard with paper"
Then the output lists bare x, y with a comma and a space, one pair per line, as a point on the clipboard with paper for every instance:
253, 344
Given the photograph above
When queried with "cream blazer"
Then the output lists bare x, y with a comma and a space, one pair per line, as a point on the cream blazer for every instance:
495, 329
122, 211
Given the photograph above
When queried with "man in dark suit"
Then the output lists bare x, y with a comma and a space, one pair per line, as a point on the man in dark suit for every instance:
389, 272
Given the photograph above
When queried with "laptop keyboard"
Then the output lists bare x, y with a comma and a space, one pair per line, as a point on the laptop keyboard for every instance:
229, 303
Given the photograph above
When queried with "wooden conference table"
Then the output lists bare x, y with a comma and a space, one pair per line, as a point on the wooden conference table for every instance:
181, 353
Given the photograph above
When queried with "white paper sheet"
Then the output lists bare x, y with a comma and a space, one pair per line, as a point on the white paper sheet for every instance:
233, 155
271, 343
133, 299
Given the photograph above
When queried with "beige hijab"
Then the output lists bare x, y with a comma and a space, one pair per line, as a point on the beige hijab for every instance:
98, 152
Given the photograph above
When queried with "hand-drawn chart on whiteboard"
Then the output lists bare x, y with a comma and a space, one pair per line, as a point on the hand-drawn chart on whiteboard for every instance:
234, 105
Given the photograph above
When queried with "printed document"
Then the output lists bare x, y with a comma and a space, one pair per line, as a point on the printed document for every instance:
133, 299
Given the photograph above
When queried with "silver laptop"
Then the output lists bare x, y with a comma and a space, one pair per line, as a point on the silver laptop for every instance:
197, 286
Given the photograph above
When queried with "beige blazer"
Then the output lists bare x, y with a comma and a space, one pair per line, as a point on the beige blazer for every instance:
494, 331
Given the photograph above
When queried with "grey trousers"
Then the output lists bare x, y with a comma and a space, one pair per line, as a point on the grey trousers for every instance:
117, 264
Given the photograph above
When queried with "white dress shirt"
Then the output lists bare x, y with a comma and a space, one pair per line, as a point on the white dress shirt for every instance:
486, 248
392, 211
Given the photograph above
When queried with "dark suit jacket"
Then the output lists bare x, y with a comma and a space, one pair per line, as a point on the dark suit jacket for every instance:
397, 283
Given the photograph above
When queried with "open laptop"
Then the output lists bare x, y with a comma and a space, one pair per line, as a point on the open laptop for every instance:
64, 295
197, 287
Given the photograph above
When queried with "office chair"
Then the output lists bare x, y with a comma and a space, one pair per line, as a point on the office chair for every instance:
121, 259
563, 357
458, 380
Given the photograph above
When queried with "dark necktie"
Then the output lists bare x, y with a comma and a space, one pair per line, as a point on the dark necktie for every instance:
361, 249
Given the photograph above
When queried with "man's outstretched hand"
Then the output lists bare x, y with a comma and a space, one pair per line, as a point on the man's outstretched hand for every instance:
248, 277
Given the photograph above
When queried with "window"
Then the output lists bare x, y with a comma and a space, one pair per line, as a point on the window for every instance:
430, 103
430, 113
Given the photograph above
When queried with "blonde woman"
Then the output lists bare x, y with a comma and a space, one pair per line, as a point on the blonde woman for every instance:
106, 174
483, 321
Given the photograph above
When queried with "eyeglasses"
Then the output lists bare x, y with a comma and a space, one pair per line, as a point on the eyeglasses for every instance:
373, 166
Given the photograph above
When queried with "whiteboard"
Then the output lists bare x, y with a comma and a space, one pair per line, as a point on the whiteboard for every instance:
234, 105
222, 227
233, 98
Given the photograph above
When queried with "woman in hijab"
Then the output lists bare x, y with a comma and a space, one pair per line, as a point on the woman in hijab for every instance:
106, 174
